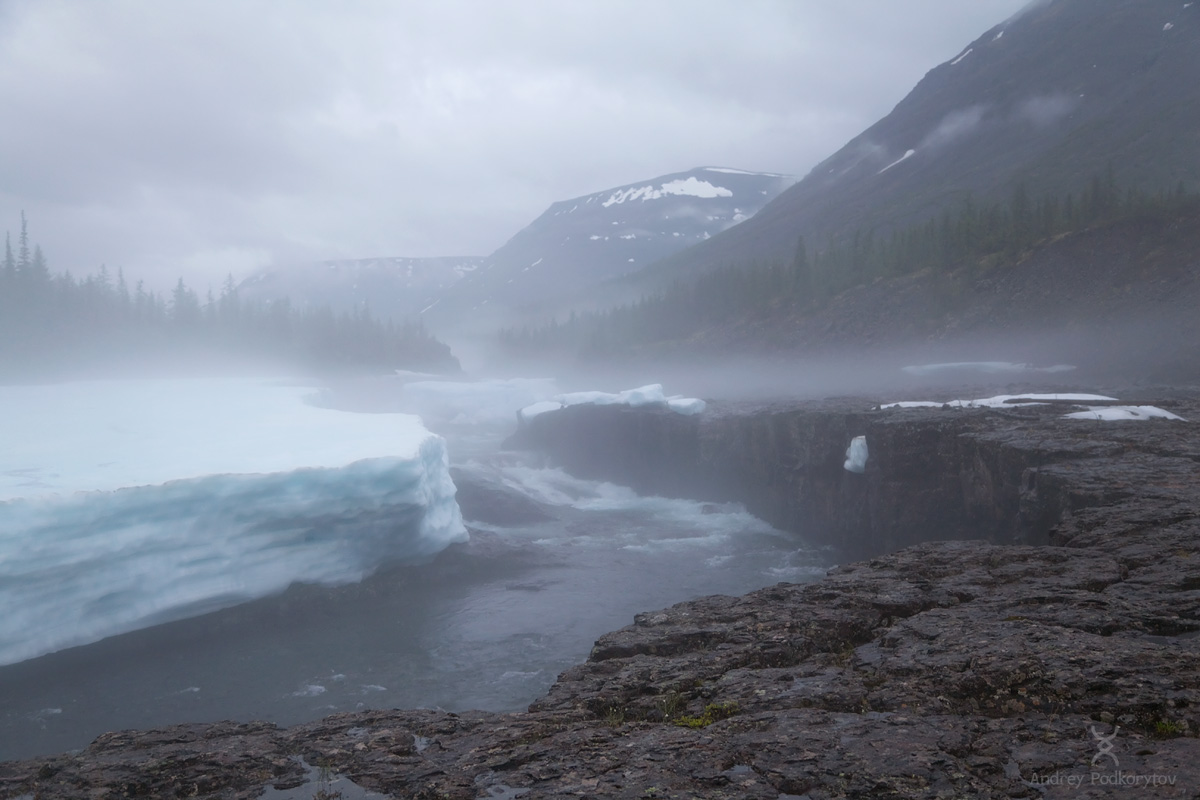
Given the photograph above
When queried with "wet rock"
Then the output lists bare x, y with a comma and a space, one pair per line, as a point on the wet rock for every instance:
490, 502
987, 668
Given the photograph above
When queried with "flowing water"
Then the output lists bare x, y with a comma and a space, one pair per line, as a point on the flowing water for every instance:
486, 625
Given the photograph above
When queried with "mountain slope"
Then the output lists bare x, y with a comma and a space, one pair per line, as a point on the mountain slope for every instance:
1117, 298
577, 244
1059, 93
572, 248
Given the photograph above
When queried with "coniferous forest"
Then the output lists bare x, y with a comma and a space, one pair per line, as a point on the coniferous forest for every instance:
56, 324
969, 235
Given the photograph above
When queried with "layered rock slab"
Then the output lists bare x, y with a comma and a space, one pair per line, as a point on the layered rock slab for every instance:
947, 669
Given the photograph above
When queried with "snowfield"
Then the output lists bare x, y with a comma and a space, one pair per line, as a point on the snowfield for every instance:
125, 504
1106, 413
691, 187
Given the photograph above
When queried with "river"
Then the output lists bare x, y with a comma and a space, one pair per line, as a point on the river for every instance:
486, 625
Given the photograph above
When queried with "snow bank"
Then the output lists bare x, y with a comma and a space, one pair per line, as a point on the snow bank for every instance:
999, 401
1105, 413
1110, 413
128, 503
649, 395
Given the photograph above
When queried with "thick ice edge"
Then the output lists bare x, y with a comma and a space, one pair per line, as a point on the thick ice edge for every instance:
326, 497
106, 435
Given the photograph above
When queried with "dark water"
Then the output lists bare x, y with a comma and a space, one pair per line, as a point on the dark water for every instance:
486, 625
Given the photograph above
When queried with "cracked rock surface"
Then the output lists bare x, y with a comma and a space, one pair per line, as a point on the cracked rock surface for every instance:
947, 669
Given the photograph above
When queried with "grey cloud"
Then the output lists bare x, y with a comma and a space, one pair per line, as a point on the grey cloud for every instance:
201, 136
954, 125
1046, 110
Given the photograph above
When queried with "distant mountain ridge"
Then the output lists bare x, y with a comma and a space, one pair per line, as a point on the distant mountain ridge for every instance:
573, 247
578, 244
1062, 91
397, 288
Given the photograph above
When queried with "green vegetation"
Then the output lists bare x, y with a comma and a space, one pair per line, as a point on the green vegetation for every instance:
1168, 729
58, 322
671, 704
971, 235
713, 712
614, 716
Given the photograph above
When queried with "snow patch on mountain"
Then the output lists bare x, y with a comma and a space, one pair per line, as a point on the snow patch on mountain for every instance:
589, 240
689, 187
907, 155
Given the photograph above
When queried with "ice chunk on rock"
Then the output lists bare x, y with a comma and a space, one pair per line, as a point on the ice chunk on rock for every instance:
856, 455
125, 504
529, 412
649, 395
686, 405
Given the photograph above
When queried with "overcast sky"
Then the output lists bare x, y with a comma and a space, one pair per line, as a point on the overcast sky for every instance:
195, 138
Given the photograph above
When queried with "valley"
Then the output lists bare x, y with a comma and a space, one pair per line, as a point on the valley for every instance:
878, 480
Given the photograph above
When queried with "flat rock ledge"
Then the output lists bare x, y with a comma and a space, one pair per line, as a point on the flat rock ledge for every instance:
946, 670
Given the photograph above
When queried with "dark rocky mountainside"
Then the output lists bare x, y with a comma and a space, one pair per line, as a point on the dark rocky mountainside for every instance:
1061, 92
948, 669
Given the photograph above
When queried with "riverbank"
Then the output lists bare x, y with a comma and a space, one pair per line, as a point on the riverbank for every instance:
1060, 656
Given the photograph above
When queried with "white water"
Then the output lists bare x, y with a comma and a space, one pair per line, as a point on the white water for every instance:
489, 624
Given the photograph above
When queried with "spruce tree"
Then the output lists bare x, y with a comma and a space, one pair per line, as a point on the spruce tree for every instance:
23, 246
10, 263
802, 277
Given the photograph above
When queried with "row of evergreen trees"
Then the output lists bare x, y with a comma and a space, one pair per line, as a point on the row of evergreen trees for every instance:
954, 239
52, 322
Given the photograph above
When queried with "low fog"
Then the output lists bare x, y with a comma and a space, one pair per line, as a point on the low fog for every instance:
213, 507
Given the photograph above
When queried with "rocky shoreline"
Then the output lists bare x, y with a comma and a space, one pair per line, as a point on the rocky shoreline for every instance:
1055, 655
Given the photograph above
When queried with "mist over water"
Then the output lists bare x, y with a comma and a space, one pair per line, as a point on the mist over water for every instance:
488, 624
1126, 353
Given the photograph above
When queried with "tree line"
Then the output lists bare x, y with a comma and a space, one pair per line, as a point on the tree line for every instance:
58, 322
957, 237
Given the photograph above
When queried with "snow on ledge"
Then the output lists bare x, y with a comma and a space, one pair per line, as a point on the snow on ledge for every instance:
999, 401
1102, 413
649, 395
1110, 413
